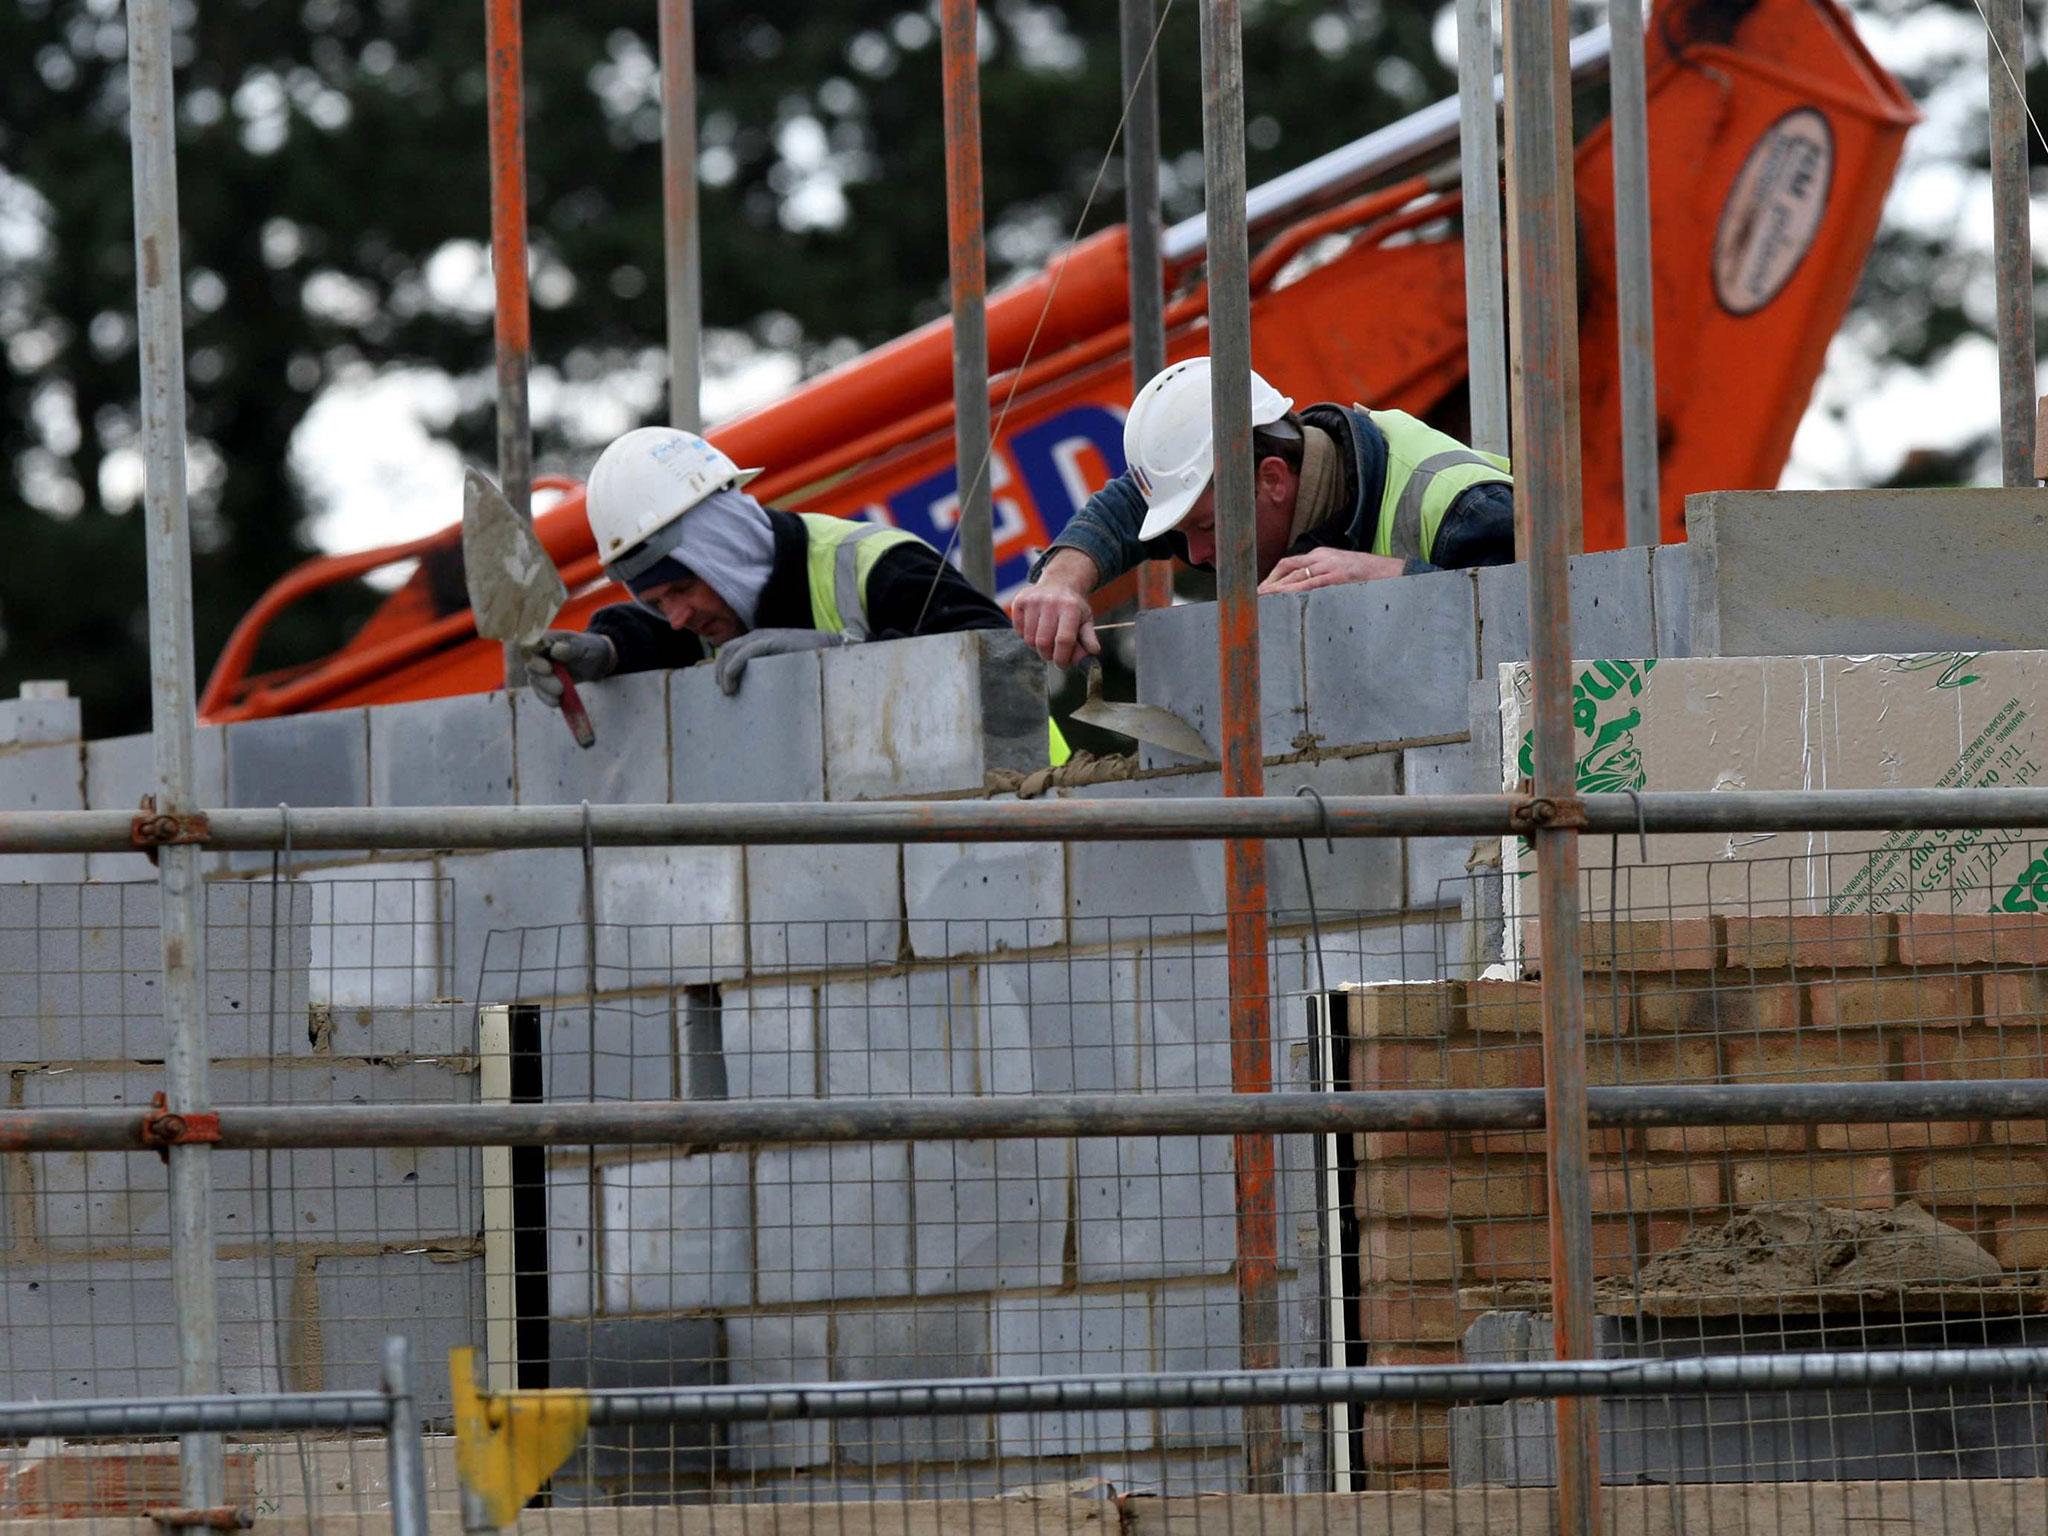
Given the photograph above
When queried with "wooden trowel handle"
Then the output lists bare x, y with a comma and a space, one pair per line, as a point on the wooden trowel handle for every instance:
573, 710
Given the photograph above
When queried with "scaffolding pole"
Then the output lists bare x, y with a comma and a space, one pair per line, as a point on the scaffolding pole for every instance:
2012, 243
512, 330
1479, 162
159, 295
1141, 219
1542, 300
1237, 629
1635, 289
680, 238
967, 272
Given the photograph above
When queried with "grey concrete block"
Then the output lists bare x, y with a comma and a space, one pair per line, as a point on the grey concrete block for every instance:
38, 720
623, 1353
1389, 660
982, 898
823, 908
677, 1234
1179, 670
627, 766
452, 751
43, 779
770, 1042
1360, 875
120, 770
1058, 1026
572, 1235
1155, 1207
1184, 1018
316, 759
832, 1223
1503, 617
1098, 1333
991, 1215
1436, 865
764, 743
1805, 573
893, 1036
618, 1051
933, 714
1130, 891
1671, 592
913, 1343
1612, 605
336, 1080
432, 1029
520, 910
1198, 1331
363, 1300
382, 935
777, 1351
677, 915
108, 1328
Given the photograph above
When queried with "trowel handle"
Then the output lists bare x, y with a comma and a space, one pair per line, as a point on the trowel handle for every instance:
573, 710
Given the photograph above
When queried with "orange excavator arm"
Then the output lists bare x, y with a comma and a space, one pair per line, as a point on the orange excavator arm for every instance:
1774, 136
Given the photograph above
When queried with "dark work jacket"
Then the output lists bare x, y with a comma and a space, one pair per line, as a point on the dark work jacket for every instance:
910, 591
1478, 529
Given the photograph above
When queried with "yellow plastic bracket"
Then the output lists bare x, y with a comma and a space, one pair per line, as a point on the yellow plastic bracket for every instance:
509, 1443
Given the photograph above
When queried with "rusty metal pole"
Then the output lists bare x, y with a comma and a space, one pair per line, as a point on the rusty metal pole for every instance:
1141, 218
505, 48
160, 336
1486, 365
1635, 290
967, 271
679, 214
1543, 291
1237, 631
2012, 240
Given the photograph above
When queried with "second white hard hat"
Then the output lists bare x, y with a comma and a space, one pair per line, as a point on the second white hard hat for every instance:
1167, 439
649, 478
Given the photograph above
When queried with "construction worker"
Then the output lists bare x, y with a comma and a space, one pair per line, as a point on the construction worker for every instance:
1340, 494
713, 572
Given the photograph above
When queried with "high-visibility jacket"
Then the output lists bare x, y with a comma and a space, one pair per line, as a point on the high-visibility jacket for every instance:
838, 557
1427, 470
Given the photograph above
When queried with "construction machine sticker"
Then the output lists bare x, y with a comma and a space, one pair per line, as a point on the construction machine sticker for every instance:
1774, 211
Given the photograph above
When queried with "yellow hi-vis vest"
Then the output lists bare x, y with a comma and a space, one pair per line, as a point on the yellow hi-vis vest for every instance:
838, 556
1427, 470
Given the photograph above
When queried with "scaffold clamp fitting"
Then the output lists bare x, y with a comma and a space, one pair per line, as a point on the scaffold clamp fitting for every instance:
164, 1128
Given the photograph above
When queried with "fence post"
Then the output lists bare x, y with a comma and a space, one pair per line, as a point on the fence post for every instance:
405, 1456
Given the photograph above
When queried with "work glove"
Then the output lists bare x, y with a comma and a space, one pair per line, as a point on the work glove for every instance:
734, 655
586, 657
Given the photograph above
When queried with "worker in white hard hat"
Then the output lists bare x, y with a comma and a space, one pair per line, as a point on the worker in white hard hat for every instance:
712, 571
1340, 494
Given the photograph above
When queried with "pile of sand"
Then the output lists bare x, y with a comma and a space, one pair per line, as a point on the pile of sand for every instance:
1803, 1247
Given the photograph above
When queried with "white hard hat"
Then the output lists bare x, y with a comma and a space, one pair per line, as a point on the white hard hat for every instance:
1167, 439
649, 478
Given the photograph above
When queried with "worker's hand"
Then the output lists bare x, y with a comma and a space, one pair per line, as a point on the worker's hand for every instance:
1053, 613
734, 655
1329, 568
586, 658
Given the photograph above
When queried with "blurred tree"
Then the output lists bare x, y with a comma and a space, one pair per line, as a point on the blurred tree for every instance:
334, 197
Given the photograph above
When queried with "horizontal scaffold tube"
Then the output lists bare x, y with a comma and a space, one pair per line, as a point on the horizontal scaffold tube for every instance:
944, 821
253, 1413
1492, 1383
702, 1122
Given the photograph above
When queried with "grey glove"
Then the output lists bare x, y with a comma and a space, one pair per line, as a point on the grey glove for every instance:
734, 655
587, 657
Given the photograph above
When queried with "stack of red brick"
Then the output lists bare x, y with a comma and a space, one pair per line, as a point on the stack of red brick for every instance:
1442, 1216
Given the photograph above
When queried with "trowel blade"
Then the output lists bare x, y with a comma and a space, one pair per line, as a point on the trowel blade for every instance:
1148, 723
514, 589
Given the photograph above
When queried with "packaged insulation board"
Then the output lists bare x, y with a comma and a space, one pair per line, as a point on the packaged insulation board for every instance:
1795, 722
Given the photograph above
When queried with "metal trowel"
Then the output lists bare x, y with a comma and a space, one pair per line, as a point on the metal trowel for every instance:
514, 589
1148, 723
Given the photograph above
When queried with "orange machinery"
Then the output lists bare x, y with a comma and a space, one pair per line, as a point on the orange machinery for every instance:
1774, 136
